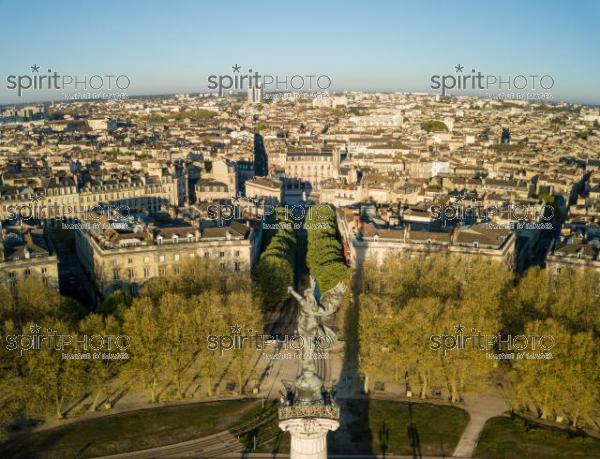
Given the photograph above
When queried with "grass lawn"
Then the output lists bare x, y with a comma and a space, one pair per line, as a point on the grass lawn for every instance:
375, 426
131, 431
260, 411
511, 438
269, 437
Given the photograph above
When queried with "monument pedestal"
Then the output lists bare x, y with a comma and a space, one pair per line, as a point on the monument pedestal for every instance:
309, 436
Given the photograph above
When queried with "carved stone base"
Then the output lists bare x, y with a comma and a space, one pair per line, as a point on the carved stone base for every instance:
309, 436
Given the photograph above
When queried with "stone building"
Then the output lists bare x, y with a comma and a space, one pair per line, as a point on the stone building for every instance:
27, 252
120, 256
363, 240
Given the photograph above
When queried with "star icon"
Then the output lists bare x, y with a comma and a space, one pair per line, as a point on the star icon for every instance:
35, 68
236, 68
37, 196
459, 328
235, 329
459, 68
35, 328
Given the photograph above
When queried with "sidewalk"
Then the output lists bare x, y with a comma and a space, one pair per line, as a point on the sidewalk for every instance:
480, 408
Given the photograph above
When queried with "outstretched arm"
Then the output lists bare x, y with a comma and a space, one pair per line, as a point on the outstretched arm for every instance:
295, 294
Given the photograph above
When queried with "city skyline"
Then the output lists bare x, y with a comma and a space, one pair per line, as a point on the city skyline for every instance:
308, 230
174, 49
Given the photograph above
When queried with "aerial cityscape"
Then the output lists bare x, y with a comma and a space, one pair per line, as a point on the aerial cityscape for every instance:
221, 242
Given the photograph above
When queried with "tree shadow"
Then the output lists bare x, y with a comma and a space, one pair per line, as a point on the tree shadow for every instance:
118, 395
222, 377
76, 403
384, 438
82, 450
413, 434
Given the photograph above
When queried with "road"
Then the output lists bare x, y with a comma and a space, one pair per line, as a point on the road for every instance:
73, 282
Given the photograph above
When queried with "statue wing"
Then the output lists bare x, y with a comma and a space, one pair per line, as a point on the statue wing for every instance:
330, 334
332, 298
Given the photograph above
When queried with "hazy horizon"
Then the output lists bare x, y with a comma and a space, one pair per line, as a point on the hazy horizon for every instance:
387, 47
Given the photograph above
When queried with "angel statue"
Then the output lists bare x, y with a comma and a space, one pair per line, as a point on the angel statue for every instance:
314, 308
307, 388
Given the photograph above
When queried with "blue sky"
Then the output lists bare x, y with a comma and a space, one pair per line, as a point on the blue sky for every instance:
172, 46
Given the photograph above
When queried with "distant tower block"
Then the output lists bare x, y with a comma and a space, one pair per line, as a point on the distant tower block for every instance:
255, 94
309, 436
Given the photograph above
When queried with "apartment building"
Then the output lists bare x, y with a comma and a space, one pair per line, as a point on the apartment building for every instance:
364, 240
26, 252
70, 201
312, 166
574, 253
265, 189
118, 256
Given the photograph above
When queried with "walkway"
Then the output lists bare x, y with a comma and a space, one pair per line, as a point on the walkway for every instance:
480, 408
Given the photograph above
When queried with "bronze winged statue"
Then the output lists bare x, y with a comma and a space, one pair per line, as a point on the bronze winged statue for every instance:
308, 387
315, 307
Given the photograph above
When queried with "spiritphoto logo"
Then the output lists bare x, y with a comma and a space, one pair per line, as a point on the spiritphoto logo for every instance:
461, 209
82, 347
245, 208
252, 339
38, 80
239, 79
498, 346
37, 210
519, 86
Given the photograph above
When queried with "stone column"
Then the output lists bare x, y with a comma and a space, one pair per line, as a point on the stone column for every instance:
309, 436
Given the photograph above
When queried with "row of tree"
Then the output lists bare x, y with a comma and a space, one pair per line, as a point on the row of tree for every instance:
274, 272
407, 305
35, 383
325, 261
405, 301
166, 330
565, 306
169, 339
324, 257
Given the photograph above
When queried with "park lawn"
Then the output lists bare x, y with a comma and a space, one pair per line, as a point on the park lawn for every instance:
375, 426
258, 413
269, 438
415, 429
119, 433
511, 438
